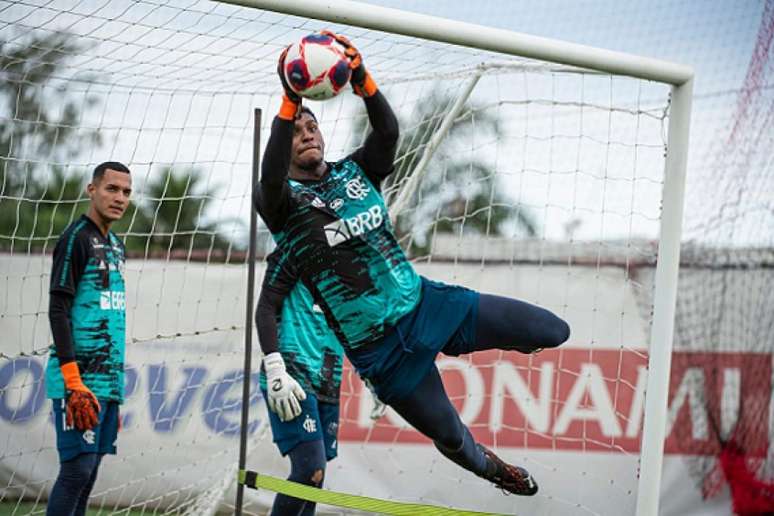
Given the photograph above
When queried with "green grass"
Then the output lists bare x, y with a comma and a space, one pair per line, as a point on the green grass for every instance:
15, 508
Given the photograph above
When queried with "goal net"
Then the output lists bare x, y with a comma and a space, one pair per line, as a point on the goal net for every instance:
724, 321
514, 176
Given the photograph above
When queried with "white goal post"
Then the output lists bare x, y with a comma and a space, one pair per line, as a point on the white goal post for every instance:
681, 80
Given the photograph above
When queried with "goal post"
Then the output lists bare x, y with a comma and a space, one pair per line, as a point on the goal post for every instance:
539, 170
679, 77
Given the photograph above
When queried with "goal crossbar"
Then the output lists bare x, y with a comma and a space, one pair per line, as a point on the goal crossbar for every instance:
679, 76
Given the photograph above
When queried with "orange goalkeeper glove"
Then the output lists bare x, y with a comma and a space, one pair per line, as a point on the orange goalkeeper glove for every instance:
361, 81
82, 407
291, 100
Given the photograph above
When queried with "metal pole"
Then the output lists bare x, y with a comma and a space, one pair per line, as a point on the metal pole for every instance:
408, 189
476, 36
664, 302
249, 314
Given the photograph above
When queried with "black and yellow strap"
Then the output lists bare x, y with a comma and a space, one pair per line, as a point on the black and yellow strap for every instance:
363, 503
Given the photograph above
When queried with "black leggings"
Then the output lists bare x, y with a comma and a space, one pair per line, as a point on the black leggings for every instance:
70, 494
307, 466
503, 323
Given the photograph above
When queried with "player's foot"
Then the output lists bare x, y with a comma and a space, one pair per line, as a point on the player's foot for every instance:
511, 479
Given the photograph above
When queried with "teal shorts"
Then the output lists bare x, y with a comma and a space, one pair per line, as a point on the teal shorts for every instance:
318, 421
444, 320
101, 439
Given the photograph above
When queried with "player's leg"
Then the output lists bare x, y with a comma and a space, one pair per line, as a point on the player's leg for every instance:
79, 457
428, 409
83, 500
73, 480
303, 441
496, 322
329, 424
505, 323
307, 466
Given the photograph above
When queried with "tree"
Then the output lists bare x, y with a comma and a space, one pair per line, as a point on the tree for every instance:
41, 115
39, 125
173, 215
458, 191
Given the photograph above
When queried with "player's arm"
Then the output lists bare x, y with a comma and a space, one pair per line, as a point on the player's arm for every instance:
271, 194
69, 261
284, 392
377, 154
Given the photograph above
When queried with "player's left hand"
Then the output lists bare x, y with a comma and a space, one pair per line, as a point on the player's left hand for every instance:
379, 407
361, 81
289, 93
82, 410
285, 393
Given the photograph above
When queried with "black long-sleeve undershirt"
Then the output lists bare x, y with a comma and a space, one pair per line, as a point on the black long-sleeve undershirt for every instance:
59, 308
376, 157
266, 315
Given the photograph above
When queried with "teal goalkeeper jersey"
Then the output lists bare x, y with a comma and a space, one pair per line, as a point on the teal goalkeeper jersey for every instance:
339, 238
311, 351
89, 266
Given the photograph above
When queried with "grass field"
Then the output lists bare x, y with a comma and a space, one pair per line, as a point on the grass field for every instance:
15, 508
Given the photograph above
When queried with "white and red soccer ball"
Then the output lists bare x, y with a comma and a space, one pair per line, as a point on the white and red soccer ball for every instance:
316, 67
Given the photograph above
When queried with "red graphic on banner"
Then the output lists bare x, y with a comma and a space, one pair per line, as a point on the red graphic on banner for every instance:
583, 399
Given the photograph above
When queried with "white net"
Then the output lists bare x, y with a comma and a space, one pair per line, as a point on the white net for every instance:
724, 319
546, 187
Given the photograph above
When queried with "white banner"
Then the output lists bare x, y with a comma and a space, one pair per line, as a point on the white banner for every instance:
571, 416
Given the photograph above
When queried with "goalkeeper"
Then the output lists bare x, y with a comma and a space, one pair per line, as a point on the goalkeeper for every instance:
87, 312
300, 380
331, 226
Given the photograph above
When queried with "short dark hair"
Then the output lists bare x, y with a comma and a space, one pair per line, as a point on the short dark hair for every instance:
99, 170
306, 110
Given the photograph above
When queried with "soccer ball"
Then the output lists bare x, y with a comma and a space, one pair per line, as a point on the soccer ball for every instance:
316, 68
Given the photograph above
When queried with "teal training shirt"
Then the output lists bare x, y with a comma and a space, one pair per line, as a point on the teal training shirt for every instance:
339, 237
90, 267
311, 351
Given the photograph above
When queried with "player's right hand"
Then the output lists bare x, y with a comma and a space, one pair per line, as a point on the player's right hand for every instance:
285, 393
81, 406
82, 410
289, 93
362, 83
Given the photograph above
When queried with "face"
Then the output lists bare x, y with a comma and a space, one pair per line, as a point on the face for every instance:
308, 146
110, 194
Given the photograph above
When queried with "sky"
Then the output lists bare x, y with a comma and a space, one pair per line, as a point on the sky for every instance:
180, 79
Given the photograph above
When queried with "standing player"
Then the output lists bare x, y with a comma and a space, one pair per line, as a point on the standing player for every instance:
303, 396
300, 379
332, 229
87, 312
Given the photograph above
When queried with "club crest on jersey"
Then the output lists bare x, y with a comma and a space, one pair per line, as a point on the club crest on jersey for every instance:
341, 230
356, 189
89, 436
310, 425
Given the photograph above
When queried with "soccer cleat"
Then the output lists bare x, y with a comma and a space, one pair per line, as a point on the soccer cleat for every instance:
511, 479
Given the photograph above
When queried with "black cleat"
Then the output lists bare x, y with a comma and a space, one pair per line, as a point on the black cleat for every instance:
511, 479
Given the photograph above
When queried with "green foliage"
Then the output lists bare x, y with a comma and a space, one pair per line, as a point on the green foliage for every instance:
39, 115
172, 218
458, 191
40, 124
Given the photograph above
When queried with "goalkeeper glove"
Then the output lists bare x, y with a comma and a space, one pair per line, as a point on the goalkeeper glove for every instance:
82, 407
361, 81
285, 394
291, 100
379, 407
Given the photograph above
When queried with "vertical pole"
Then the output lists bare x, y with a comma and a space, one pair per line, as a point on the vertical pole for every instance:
664, 302
411, 184
246, 376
